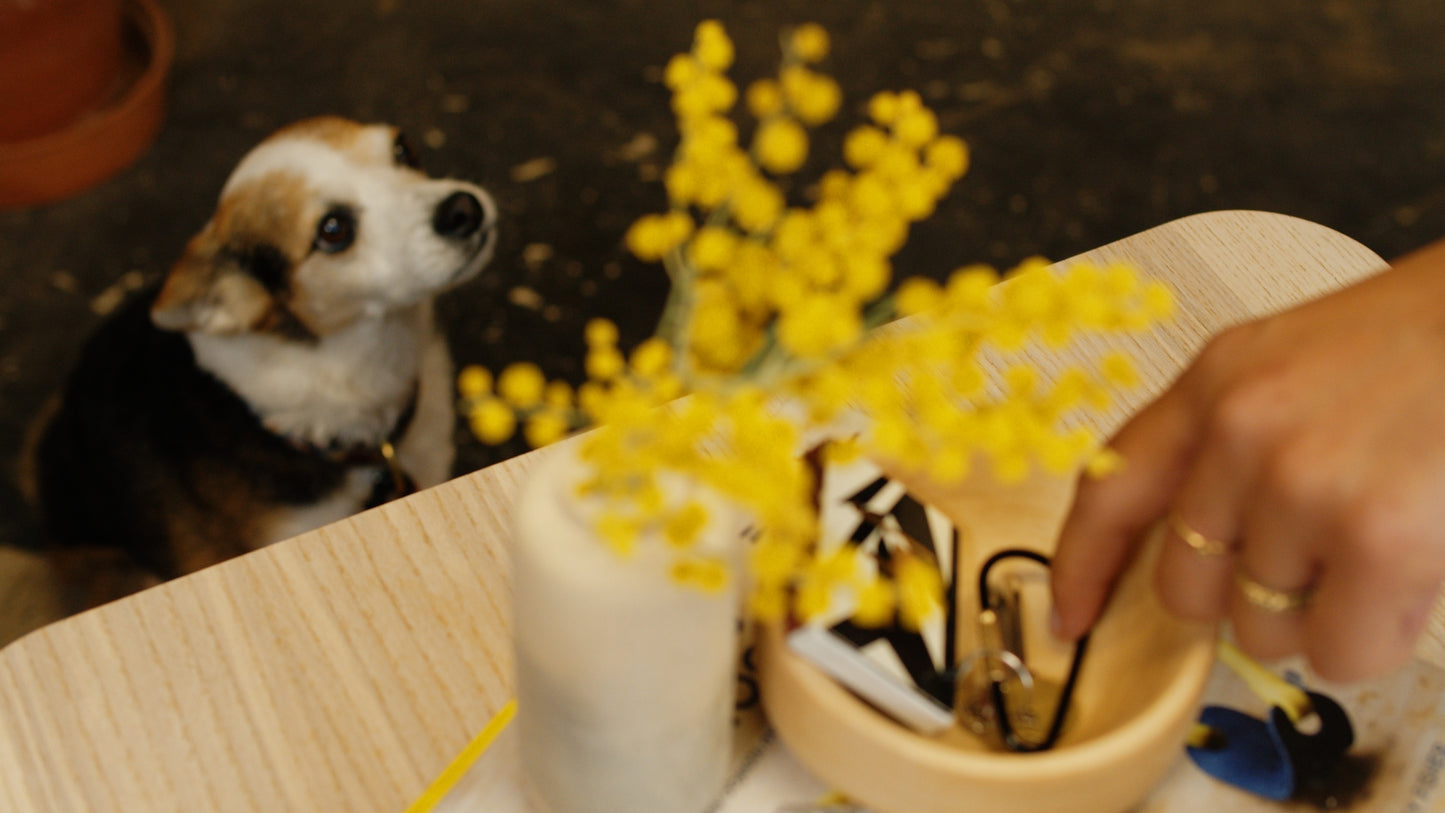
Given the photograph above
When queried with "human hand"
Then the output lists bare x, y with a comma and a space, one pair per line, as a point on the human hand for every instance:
1310, 448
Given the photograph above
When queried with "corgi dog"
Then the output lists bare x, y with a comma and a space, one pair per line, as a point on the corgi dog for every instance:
287, 373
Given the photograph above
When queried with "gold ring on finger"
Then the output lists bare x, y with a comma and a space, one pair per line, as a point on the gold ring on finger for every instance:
1198, 542
1269, 599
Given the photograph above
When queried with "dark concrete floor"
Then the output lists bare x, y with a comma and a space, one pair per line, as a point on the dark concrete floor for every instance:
1088, 120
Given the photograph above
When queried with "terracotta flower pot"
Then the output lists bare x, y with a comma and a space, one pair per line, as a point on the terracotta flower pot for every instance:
58, 58
82, 92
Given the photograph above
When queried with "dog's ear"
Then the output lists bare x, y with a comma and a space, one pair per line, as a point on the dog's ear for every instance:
209, 292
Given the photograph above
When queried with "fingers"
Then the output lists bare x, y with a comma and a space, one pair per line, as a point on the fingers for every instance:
1277, 428
1347, 520
1194, 575
1364, 622
1110, 515
1271, 590
1328, 560
1380, 577
1194, 582
1352, 616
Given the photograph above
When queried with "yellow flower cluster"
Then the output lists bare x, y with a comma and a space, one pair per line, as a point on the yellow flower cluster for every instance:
757, 273
546, 408
962, 395
911, 595
772, 299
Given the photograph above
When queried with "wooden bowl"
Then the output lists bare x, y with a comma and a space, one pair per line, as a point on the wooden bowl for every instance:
1135, 701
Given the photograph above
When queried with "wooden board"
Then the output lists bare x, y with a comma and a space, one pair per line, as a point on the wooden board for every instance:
343, 669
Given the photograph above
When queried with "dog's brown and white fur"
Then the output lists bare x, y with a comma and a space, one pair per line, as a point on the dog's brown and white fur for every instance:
243, 402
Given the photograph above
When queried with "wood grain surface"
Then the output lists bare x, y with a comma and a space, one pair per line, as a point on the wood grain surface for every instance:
343, 669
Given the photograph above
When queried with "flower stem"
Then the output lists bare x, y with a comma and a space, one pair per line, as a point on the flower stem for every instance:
677, 311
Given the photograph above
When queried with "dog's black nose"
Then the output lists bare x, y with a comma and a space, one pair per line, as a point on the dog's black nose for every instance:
458, 215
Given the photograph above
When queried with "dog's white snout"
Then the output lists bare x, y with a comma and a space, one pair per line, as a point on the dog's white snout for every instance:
465, 217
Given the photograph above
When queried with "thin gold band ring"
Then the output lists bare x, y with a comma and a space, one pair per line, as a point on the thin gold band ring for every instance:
1201, 544
1269, 599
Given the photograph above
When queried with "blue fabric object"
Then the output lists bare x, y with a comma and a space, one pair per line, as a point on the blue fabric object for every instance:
1252, 756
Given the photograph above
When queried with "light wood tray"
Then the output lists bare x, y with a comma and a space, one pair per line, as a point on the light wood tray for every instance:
343, 669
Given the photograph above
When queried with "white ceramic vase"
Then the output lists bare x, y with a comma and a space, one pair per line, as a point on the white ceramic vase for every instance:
625, 680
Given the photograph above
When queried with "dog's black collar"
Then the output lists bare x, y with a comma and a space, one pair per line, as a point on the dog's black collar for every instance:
392, 481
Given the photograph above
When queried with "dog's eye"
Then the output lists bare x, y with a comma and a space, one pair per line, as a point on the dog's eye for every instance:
336, 231
403, 153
